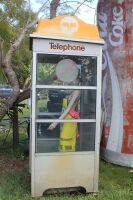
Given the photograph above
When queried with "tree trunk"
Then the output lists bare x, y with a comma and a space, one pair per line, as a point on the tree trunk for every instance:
15, 129
53, 8
6, 63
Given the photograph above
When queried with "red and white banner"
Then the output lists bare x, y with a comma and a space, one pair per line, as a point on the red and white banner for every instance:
116, 28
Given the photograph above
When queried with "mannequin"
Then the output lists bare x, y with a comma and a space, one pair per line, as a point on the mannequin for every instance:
68, 133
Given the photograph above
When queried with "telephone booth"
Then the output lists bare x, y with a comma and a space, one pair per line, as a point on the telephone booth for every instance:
66, 106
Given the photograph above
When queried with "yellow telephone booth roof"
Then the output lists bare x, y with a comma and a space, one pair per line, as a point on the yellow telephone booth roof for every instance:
67, 28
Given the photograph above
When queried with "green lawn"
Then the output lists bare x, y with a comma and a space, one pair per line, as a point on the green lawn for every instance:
115, 182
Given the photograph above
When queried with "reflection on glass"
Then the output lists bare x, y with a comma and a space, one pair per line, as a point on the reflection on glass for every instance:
65, 138
52, 103
47, 69
65, 104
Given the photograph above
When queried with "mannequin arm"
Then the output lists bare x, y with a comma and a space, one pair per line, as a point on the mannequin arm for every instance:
75, 95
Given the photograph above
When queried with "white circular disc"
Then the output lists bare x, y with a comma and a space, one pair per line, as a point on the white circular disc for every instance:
66, 70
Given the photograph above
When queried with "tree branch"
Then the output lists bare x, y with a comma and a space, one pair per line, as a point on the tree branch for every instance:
1, 50
22, 96
6, 63
79, 7
53, 8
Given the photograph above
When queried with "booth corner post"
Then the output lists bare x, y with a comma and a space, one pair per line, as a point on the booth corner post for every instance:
66, 106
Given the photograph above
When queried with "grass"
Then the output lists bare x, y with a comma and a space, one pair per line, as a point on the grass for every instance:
115, 182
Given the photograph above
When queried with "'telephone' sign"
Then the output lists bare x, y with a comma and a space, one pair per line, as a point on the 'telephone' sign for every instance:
66, 47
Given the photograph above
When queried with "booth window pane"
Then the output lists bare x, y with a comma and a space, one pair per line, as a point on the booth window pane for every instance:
67, 137
51, 103
47, 72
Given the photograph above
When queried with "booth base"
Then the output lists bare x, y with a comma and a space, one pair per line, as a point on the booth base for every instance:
117, 158
65, 172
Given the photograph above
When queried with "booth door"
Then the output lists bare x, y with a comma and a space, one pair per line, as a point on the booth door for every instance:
53, 96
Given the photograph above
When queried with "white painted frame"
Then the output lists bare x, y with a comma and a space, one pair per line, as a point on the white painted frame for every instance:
98, 116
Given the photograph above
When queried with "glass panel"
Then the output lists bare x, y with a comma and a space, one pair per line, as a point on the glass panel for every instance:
66, 70
54, 103
66, 137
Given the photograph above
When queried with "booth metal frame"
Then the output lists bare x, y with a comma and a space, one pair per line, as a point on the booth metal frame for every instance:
94, 48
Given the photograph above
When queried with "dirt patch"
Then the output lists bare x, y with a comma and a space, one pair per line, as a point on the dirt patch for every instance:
8, 164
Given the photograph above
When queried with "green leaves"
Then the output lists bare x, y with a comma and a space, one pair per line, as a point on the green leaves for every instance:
14, 14
5, 31
19, 108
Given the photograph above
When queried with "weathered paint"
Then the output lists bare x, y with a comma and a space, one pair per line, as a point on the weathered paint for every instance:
116, 28
67, 27
64, 171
